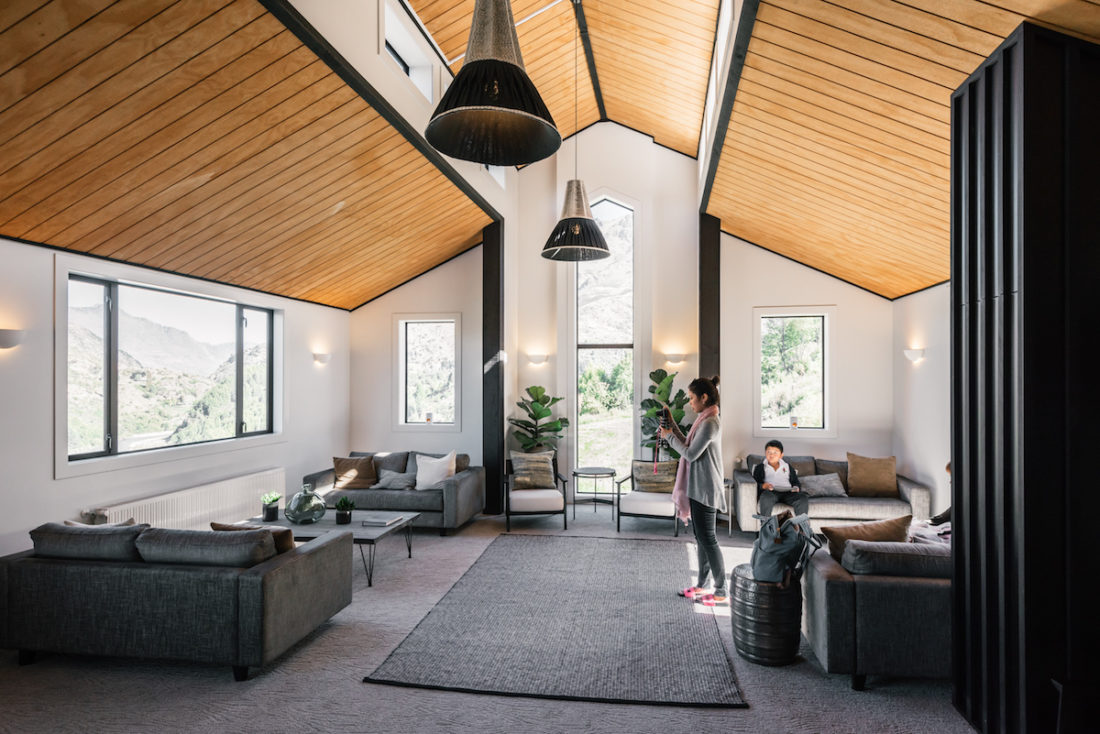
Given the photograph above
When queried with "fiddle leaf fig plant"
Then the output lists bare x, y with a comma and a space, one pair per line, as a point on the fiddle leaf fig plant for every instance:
531, 432
661, 390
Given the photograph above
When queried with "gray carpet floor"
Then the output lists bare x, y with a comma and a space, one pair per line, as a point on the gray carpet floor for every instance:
316, 686
585, 619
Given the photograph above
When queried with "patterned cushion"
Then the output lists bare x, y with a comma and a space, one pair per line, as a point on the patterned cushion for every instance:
828, 466
645, 480
355, 472
104, 543
283, 537
205, 548
396, 480
822, 485
872, 477
896, 530
532, 471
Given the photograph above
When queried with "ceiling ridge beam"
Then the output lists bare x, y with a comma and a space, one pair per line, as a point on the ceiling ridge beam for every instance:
737, 63
289, 16
582, 26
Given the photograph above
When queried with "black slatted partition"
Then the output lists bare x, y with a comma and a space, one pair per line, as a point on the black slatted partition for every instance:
492, 383
1025, 248
710, 295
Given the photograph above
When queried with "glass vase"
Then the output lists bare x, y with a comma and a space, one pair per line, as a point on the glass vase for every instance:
305, 507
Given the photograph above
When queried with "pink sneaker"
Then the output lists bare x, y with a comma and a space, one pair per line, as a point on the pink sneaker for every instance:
692, 592
713, 600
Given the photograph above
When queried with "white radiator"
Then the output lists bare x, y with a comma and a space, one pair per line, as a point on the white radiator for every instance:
229, 500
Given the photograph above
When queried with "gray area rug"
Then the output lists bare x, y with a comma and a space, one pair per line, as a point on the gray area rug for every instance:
588, 619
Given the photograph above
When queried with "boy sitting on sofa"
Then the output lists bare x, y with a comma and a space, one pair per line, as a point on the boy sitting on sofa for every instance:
777, 481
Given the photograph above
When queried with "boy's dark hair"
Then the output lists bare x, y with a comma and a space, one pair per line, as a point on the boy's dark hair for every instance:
774, 442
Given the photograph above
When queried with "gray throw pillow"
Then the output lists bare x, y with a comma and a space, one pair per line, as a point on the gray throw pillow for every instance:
395, 480
926, 560
822, 485
206, 547
104, 543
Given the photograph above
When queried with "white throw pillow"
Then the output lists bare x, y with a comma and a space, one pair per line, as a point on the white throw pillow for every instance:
430, 472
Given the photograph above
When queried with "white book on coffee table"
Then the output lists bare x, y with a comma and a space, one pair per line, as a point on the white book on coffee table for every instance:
382, 521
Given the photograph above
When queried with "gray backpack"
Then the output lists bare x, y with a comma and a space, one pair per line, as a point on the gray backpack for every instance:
782, 548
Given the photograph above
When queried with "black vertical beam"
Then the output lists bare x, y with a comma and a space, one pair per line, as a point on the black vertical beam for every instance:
492, 383
1025, 242
710, 296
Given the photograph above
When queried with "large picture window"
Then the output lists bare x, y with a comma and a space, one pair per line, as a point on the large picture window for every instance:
428, 375
605, 346
150, 369
792, 385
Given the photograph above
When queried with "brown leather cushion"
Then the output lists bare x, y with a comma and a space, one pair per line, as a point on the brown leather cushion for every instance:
355, 472
896, 530
872, 477
283, 537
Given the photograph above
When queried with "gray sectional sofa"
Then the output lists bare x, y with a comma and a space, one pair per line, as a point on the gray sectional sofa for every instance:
913, 498
885, 611
88, 591
449, 506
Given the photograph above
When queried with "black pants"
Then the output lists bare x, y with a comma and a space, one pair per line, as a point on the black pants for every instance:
711, 565
800, 501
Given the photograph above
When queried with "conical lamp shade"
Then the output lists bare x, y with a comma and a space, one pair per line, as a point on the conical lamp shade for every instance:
492, 113
576, 237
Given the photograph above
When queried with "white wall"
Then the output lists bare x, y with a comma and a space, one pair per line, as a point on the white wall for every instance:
862, 345
315, 413
452, 287
659, 184
922, 390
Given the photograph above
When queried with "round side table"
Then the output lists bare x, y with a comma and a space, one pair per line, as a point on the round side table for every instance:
595, 473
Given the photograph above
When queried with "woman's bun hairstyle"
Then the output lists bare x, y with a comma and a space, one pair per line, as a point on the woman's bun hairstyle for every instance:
706, 386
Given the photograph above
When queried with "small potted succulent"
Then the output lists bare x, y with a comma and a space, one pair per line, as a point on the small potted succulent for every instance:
344, 506
271, 506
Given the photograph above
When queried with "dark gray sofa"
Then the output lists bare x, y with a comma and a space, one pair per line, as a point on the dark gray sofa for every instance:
891, 617
447, 507
913, 498
226, 615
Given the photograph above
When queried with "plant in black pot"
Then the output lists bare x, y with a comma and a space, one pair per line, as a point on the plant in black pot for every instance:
271, 506
344, 506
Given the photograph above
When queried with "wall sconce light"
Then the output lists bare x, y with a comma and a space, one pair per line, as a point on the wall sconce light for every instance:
674, 358
11, 338
914, 355
537, 358
321, 357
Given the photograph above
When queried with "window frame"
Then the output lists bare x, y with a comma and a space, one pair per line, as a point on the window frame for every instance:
68, 266
828, 314
400, 378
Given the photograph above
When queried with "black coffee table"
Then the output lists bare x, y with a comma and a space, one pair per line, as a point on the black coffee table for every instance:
361, 534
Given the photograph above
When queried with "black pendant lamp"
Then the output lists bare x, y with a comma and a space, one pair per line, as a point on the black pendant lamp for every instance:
492, 113
577, 237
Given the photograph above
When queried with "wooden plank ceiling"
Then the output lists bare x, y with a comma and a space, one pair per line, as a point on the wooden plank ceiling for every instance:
201, 137
837, 153
652, 59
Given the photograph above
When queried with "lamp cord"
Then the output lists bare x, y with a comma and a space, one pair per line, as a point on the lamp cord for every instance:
576, 36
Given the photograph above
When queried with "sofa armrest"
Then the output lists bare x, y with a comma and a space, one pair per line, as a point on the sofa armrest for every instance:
286, 597
903, 626
745, 501
917, 495
829, 617
465, 497
321, 481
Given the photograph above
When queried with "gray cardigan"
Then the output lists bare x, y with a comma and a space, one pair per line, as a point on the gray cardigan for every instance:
705, 483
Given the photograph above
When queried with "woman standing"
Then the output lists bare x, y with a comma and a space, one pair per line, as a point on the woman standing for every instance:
699, 492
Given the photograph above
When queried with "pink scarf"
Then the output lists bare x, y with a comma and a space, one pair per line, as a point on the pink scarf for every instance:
679, 490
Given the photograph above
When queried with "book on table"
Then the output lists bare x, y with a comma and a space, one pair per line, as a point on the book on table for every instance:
382, 521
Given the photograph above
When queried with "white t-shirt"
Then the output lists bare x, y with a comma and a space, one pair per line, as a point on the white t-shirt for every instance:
779, 478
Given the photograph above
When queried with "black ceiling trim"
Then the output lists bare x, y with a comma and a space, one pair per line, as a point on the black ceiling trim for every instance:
737, 63
582, 26
921, 290
811, 267
66, 250
308, 35
390, 290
